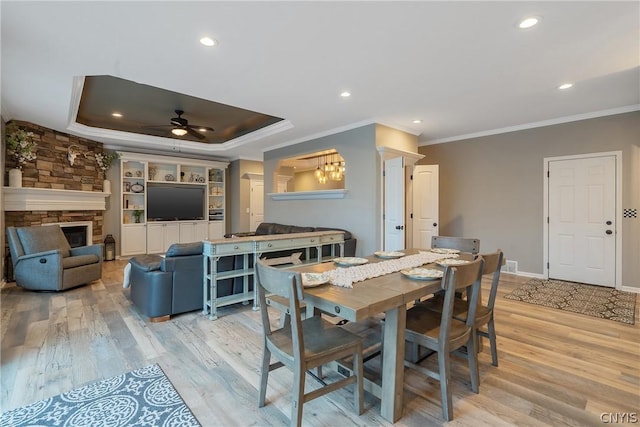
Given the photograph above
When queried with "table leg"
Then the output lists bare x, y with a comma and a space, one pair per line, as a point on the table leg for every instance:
205, 284
393, 364
214, 288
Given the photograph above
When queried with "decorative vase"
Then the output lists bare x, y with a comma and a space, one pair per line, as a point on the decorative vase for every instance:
106, 186
15, 177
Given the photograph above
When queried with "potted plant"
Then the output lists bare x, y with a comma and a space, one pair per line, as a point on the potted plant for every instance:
22, 147
104, 160
136, 215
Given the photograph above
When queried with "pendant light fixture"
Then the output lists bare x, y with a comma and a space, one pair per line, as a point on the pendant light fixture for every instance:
319, 172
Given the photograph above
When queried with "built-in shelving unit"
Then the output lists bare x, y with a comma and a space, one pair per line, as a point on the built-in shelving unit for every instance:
141, 232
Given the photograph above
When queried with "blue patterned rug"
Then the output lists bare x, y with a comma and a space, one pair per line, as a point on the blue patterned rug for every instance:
144, 397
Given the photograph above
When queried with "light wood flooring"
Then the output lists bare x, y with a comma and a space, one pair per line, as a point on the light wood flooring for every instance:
556, 368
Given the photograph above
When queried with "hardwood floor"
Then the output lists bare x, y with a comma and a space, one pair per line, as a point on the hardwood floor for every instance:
556, 368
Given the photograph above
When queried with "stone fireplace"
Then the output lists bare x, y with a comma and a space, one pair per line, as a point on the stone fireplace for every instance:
54, 191
23, 209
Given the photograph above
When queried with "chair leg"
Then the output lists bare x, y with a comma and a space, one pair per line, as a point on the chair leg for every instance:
297, 401
444, 363
264, 375
492, 341
472, 356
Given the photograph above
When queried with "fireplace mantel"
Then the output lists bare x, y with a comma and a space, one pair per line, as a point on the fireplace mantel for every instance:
48, 199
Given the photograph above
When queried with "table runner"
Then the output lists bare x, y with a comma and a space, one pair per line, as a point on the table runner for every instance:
346, 276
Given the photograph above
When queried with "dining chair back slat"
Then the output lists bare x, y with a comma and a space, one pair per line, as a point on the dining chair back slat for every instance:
463, 244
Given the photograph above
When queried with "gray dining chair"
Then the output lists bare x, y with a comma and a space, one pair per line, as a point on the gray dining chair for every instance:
484, 312
301, 345
463, 244
444, 334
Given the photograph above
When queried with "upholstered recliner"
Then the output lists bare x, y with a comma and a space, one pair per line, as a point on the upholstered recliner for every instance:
43, 260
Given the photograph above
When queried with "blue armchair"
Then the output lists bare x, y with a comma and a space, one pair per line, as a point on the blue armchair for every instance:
43, 260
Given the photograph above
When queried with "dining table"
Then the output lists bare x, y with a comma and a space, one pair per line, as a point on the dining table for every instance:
389, 294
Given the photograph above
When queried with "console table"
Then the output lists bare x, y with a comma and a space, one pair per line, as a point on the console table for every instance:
256, 246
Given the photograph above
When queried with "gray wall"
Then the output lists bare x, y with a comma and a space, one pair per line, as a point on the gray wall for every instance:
492, 187
358, 211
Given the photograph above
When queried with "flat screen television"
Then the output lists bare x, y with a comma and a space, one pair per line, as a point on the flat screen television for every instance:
175, 202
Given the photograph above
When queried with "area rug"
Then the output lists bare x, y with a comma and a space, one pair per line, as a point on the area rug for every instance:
144, 397
591, 300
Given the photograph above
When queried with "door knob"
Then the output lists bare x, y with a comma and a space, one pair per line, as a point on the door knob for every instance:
399, 227
609, 232
435, 224
608, 222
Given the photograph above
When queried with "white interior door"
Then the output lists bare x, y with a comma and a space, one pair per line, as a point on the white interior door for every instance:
394, 204
256, 204
425, 205
582, 220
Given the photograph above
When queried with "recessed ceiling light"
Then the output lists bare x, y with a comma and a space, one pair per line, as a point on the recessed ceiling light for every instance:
208, 41
116, 115
345, 94
565, 86
417, 121
528, 22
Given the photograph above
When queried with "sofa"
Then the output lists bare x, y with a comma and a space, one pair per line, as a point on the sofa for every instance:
164, 286
267, 228
43, 260
169, 285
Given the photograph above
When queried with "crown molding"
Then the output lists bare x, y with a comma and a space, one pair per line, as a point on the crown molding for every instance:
551, 122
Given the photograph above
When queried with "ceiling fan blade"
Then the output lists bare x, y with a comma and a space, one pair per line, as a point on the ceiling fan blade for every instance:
195, 133
179, 121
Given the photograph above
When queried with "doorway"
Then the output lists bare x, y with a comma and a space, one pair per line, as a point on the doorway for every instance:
582, 216
395, 164
425, 207
256, 199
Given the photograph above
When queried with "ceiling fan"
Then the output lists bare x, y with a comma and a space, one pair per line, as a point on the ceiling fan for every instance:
182, 127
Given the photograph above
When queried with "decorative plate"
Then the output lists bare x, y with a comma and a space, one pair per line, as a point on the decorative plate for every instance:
311, 280
451, 261
169, 177
444, 251
389, 254
128, 174
350, 261
422, 273
137, 188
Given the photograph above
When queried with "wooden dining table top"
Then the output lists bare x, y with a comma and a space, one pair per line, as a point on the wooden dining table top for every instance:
369, 297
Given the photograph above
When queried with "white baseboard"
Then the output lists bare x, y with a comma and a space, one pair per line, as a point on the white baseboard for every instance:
525, 274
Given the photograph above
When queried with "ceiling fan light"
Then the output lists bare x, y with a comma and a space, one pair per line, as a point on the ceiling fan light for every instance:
179, 131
